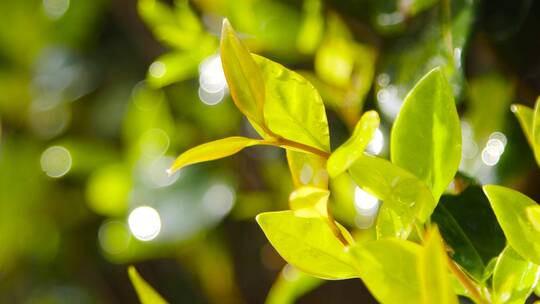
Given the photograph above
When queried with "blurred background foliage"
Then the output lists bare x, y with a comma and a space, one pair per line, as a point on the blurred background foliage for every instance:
98, 97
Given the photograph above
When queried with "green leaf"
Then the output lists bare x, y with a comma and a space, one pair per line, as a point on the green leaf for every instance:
389, 268
311, 28
293, 109
308, 244
526, 117
309, 201
353, 148
147, 294
307, 169
290, 285
212, 150
243, 75
469, 226
510, 207
513, 278
173, 67
436, 284
536, 130
405, 195
426, 136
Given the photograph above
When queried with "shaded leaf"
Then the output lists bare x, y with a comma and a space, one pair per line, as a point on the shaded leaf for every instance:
469, 226
436, 284
389, 268
513, 278
243, 75
308, 244
293, 108
147, 294
353, 148
309, 201
510, 207
426, 136
290, 285
212, 150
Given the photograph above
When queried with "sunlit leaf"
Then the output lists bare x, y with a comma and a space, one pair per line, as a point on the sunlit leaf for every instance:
173, 67
426, 136
353, 148
525, 117
290, 285
212, 150
436, 284
536, 130
293, 108
309, 201
308, 244
403, 193
243, 75
389, 268
513, 278
311, 28
469, 226
510, 207
147, 294
307, 169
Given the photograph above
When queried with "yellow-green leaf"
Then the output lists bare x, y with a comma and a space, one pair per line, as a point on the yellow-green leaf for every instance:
309, 201
243, 75
308, 244
307, 169
436, 284
212, 150
513, 278
147, 294
290, 285
426, 136
293, 109
353, 148
389, 268
536, 130
510, 207
525, 117
404, 194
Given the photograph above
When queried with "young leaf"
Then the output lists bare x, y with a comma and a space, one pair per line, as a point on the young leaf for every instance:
293, 109
307, 169
426, 136
212, 150
243, 75
469, 226
436, 284
510, 207
513, 278
403, 193
389, 268
309, 201
147, 294
353, 148
525, 117
308, 244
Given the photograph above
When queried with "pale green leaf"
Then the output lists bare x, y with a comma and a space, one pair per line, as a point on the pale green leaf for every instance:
426, 136
308, 244
243, 75
533, 214
510, 207
293, 109
525, 117
536, 130
513, 278
311, 28
389, 268
309, 201
147, 294
436, 284
405, 195
212, 150
173, 67
307, 169
290, 285
353, 148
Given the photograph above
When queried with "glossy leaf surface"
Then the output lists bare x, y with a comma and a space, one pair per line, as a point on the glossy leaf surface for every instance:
293, 109
309, 244
147, 294
513, 278
389, 268
510, 207
426, 136
353, 148
212, 150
